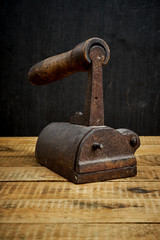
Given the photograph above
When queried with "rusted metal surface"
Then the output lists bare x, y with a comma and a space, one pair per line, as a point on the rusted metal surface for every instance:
58, 144
68, 150
65, 64
116, 152
84, 150
94, 110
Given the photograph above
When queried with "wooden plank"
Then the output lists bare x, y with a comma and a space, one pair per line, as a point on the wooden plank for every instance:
146, 173
80, 211
148, 150
26, 147
20, 148
148, 160
150, 140
18, 140
47, 210
145, 140
30, 161
21, 161
27, 150
28, 174
79, 231
68, 190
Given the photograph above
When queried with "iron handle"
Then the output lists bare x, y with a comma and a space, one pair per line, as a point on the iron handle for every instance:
65, 64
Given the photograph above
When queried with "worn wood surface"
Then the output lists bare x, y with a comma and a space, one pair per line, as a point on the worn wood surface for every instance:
39, 204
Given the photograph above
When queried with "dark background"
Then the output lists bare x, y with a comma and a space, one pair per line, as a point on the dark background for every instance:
32, 30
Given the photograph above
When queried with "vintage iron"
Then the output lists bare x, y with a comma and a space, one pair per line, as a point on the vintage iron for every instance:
84, 150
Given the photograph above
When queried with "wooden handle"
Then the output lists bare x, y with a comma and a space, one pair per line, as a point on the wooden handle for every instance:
65, 64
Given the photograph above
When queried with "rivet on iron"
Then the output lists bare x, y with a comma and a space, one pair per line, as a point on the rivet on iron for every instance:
133, 141
97, 146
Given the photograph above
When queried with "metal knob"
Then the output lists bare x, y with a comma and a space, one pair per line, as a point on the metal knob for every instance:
97, 146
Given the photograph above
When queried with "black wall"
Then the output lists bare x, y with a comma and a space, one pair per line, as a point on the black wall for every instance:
32, 30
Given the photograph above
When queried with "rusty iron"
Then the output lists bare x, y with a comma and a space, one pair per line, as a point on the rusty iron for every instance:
84, 150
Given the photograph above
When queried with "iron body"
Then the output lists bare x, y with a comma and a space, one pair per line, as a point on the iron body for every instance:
84, 150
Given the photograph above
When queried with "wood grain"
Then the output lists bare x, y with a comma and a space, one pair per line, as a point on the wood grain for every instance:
27, 150
28, 174
26, 147
148, 150
68, 190
150, 140
49, 231
147, 173
148, 160
21, 151
145, 140
80, 211
30, 161
36, 203
22, 161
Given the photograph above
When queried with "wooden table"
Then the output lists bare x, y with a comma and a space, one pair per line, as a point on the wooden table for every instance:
36, 203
